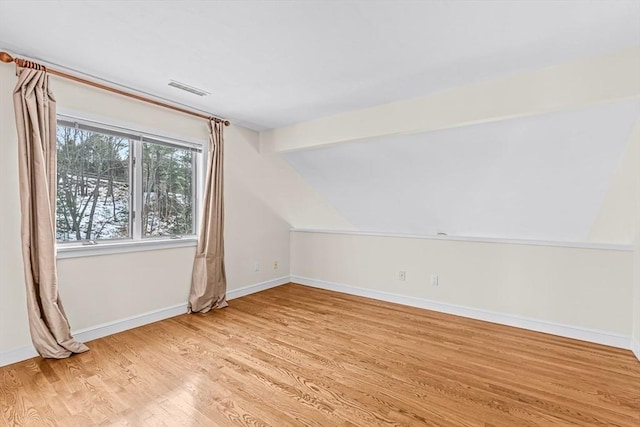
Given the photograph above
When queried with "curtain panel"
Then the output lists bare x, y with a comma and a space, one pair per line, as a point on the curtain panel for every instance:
209, 282
35, 112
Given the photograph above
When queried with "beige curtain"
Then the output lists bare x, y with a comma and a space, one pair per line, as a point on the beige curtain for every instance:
208, 281
35, 110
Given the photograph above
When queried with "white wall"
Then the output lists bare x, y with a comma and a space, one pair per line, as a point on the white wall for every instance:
636, 264
540, 177
264, 198
617, 220
584, 289
588, 289
107, 288
635, 332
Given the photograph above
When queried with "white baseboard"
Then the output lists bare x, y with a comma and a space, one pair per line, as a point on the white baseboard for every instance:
17, 355
252, 289
105, 329
615, 340
635, 347
599, 337
99, 331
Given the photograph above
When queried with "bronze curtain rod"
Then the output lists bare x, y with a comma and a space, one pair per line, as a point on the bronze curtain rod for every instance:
5, 57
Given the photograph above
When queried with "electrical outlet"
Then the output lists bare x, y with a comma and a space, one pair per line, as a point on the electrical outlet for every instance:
256, 266
434, 280
402, 275
275, 265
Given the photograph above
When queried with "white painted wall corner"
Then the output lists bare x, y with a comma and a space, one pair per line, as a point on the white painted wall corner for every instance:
252, 289
636, 350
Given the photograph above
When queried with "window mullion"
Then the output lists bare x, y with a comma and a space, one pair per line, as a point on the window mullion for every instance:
195, 208
138, 190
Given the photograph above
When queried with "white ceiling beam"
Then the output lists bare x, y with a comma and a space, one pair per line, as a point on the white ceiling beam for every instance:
602, 79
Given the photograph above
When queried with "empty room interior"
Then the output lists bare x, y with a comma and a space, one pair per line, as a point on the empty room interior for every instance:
320, 213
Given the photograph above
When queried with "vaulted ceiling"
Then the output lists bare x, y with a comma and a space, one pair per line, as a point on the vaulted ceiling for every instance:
539, 178
271, 63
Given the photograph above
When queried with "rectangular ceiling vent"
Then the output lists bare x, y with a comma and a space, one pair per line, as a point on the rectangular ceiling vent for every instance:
188, 88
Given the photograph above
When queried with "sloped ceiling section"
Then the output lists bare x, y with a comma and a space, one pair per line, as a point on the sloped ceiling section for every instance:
539, 178
273, 63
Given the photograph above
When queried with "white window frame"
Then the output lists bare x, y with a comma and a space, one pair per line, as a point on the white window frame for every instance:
136, 243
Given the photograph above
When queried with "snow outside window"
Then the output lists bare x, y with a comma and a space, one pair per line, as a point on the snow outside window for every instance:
116, 185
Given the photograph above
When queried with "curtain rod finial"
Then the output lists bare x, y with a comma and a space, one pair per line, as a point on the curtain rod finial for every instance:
5, 57
217, 120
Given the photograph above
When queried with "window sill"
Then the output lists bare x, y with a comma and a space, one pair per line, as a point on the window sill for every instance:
105, 248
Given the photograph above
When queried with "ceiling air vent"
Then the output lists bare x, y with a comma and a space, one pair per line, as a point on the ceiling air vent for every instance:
188, 88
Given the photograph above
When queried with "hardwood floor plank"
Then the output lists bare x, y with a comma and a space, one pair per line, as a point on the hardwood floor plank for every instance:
406, 352
299, 356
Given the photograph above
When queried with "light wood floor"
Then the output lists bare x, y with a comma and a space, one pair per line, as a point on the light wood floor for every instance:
295, 355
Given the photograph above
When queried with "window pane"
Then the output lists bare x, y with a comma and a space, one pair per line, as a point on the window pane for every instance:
167, 181
93, 185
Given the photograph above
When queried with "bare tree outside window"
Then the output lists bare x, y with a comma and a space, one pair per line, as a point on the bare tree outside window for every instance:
167, 177
98, 186
93, 185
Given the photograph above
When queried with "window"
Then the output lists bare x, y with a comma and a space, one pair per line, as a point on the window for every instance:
118, 185
168, 181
